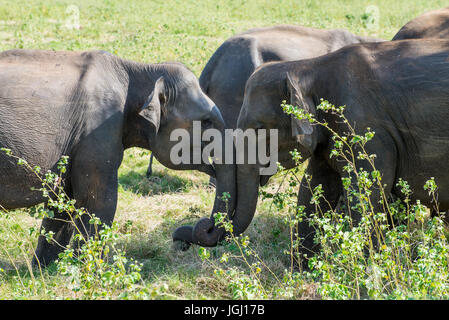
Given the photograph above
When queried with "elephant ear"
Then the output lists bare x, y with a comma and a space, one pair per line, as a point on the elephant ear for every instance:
151, 110
302, 130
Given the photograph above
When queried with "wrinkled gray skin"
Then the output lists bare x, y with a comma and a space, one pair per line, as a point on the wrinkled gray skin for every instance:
225, 75
433, 24
400, 89
91, 106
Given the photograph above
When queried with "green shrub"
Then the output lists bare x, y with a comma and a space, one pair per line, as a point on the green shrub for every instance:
398, 253
96, 266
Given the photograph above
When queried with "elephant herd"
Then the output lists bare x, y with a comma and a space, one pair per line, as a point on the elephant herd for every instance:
91, 106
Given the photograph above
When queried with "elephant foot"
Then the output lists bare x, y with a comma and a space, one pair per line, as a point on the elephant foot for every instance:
301, 262
47, 252
44, 259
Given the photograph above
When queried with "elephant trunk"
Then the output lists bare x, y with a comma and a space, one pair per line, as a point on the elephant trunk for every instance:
247, 194
205, 233
241, 182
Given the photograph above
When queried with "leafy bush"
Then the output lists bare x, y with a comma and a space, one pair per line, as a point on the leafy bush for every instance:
96, 266
398, 253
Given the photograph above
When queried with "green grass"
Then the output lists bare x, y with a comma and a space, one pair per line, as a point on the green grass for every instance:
156, 31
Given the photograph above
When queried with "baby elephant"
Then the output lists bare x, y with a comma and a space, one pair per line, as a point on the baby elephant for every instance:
399, 89
91, 106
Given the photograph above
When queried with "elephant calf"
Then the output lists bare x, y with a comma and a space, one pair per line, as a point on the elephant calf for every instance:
91, 106
399, 89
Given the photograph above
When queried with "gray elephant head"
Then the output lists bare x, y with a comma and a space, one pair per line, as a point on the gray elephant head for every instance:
175, 109
95, 106
261, 109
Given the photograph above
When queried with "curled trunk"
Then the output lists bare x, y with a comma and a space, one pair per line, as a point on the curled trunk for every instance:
205, 233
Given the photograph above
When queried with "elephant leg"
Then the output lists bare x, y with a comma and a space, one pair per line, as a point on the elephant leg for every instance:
321, 174
150, 167
62, 228
95, 187
385, 163
377, 204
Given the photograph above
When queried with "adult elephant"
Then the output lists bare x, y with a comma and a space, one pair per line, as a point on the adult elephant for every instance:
399, 89
224, 76
433, 24
91, 106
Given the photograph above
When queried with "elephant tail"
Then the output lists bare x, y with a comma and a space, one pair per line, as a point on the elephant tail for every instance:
150, 167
